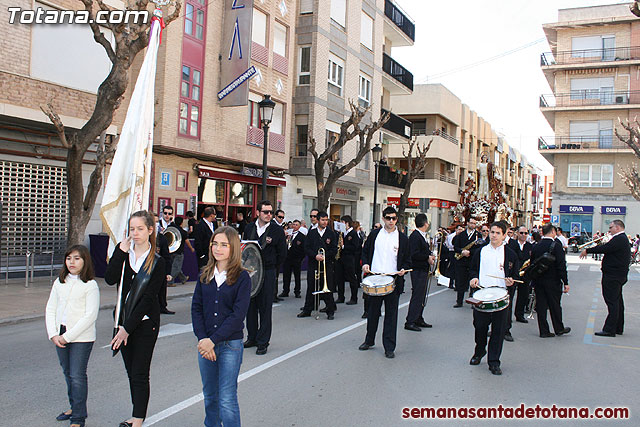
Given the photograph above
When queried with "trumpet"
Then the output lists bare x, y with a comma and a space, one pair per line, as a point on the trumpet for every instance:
466, 248
325, 288
524, 267
589, 243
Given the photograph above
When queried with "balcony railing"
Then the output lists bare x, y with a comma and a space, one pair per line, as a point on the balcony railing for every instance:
391, 178
401, 20
397, 124
580, 142
590, 55
437, 132
440, 177
397, 71
590, 97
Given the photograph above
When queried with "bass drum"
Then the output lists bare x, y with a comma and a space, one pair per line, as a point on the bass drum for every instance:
252, 262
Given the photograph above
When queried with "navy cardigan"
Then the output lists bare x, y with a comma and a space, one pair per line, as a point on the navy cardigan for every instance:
218, 312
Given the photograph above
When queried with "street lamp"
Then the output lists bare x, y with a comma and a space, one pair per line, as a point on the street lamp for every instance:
377, 154
266, 114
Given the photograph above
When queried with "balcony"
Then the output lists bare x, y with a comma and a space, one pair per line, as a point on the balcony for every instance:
435, 186
441, 148
590, 56
397, 125
398, 27
602, 142
392, 178
401, 81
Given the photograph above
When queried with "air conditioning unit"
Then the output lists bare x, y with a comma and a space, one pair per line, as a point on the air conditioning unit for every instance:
621, 99
451, 167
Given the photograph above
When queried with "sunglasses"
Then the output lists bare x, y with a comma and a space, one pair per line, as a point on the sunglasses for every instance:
280, 217
523, 232
313, 216
391, 218
267, 212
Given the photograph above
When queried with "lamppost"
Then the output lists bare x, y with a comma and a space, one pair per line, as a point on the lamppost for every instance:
377, 154
266, 114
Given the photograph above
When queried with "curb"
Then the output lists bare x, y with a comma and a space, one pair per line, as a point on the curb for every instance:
27, 318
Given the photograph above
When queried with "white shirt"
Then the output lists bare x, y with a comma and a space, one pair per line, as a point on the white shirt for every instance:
491, 263
321, 232
303, 230
521, 245
137, 263
63, 315
262, 229
220, 277
164, 224
563, 240
210, 224
450, 240
385, 252
423, 234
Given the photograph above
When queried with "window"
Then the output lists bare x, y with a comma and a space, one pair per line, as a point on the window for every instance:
593, 88
259, 31
366, 31
602, 47
194, 19
304, 66
364, 95
302, 138
306, 6
590, 176
190, 103
339, 11
595, 131
254, 114
277, 120
336, 70
280, 39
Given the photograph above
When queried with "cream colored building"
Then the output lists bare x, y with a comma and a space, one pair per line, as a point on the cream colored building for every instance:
593, 70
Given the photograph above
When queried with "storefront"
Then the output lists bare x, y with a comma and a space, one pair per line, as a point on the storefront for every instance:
576, 219
413, 209
609, 213
344, 200
440, 213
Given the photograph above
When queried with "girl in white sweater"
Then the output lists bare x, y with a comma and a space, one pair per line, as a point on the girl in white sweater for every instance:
71, 315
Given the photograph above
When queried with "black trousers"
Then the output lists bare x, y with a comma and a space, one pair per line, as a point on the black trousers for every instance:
137, 360
612, 294
346, 272
419, 279
162, 294
291, 265
548, 298
512, 293
498, 322
260, 306
462, 281
390, 324
309, 301
523, 290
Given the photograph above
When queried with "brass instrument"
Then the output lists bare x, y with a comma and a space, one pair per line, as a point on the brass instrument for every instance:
438, 238
325, 288
591, 242
524, 267
466, 248
174, 238
340, 244
531, 305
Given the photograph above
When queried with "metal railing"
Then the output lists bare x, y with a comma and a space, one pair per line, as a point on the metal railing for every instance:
590, 55
391, 178
590, 97
397, 124
440, 177
580, 142
397, 71
401, 20
437, 132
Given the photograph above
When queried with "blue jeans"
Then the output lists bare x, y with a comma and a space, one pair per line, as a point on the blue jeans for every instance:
74, 359
220, 384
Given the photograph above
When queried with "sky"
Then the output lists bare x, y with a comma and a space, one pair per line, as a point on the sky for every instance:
504, 91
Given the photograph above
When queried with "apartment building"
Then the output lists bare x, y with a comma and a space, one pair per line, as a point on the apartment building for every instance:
343, 52
593, 70
459, 138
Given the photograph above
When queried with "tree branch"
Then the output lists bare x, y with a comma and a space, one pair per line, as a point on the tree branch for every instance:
50, 112
95, 29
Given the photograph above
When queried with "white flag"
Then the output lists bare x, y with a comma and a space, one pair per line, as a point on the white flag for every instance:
127, 188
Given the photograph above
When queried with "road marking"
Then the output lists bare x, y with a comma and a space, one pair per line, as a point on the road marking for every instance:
594, 268
168, 330
573, 267
199, 397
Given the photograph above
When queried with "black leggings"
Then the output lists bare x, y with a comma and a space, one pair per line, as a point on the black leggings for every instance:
137, 359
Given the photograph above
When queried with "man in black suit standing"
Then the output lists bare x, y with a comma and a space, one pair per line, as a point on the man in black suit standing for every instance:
493, 264
293, 261
522, 248
550, 285
320, 237
615, 269
421, 260
462, 240
274, 250
345, 266
202, 235
162, 248
386, 250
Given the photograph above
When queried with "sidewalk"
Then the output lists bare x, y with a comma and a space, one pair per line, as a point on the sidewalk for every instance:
20, 304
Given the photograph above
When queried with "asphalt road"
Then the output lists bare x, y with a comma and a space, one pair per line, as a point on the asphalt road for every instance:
314, 375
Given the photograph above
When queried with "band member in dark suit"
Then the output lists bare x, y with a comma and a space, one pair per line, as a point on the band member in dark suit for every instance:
493, 259
615, 269
522, 248
462, 265
274, 250
550, 285
320, 237
202, 235
421, 260
293, 261
385, 251
162, 248
346, 264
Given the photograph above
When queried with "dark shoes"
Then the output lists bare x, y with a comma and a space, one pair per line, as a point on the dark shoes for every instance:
277, 299
521, 320
411, 327
495, 370
298, 295
283, 295
63, 417
250, 343
323, 310
564, 331
340, 301
475, 360
547, 335
125, 424
304, 314
166, 311
389, 354
508, 337
330, 316
457, 305
423, 324
364, 346
364, 315
605, 334
352, 302
261, 350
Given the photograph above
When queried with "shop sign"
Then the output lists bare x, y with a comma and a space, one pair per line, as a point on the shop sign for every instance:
576, 209
344, 192
613, 210
251, 172
434, 203
413, 202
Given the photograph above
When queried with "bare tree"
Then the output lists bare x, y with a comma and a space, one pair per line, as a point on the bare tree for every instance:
351, 128
416, 164
630, 175
130, 39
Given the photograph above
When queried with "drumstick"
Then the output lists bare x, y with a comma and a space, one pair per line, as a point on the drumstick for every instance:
504, 278
391, 274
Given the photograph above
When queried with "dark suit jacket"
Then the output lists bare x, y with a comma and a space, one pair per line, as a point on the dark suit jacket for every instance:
352, 245
162, 247
272, 242
523, 254
403, 258
617, 254
420, 251
202, 235
462, 240
511, 265
328, 242
296, 251
553, 277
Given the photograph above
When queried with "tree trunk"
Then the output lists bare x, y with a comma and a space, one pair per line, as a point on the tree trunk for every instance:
78, 217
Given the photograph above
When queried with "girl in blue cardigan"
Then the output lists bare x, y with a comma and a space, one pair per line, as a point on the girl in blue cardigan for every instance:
219, 307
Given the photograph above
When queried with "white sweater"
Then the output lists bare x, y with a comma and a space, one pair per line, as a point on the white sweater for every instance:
81, 301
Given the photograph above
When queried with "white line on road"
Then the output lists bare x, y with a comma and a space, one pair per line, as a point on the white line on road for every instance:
199, 397
573, 267
594, 268
168, 330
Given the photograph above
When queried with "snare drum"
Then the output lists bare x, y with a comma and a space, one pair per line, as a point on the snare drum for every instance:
376, 285
491, 299
252, 262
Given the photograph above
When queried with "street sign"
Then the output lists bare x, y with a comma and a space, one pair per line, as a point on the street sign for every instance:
555, 220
